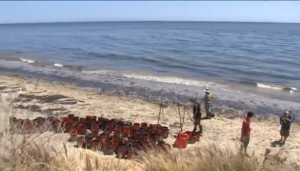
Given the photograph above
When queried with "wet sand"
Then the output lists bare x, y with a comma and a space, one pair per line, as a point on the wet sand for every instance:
33, 98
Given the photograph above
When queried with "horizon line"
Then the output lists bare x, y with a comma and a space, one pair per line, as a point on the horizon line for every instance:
58, 22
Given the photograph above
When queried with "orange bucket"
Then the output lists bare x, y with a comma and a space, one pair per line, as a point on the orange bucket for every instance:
182, 140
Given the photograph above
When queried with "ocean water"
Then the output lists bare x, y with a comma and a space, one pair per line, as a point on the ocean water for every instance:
248, 66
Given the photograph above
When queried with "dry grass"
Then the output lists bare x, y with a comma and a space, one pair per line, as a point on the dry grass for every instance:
33, 157
210, 158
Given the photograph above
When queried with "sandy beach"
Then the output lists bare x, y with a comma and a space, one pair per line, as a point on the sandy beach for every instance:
33, 98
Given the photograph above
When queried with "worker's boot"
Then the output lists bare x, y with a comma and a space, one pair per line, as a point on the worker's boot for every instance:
195, 129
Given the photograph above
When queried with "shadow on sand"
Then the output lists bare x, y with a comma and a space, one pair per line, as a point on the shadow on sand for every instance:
276, 143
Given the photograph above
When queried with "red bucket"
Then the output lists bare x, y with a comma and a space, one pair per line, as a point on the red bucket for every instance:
94, 118
165, 132
65, 120
68, 128
95, 133
73, 135
126, 131
189, 133
153, 127
81, 142
71, 116
144, 125
77, 125
109, 128
136, 126
82, 130
73, 132
145, 137
116, 142
88, 117
182, 140
118, 130
95, 126
82, 120
95, 144
103, 138
130, 153
122, 151
76, 119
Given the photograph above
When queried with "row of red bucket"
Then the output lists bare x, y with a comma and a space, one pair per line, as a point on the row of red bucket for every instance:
125, 139
140, 136
108, 135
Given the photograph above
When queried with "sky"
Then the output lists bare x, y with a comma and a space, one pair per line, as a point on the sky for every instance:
72, 11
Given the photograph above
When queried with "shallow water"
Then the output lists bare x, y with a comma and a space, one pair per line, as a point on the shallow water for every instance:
249, 66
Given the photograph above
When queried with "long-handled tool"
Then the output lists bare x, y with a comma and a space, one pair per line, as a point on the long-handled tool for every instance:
190, 117
160, 111
179, 116
183, 118
194, 106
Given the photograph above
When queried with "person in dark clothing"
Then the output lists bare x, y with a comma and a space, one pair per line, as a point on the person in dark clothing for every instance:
285, 122
197, 117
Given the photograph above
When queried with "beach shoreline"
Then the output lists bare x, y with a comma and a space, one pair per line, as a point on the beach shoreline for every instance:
60, 99
154, 88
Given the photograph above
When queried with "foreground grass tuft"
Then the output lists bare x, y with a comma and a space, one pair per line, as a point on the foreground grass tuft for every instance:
210, 158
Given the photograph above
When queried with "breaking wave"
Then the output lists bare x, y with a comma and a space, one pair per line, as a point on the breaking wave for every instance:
273, 87
150, 77
27, 60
